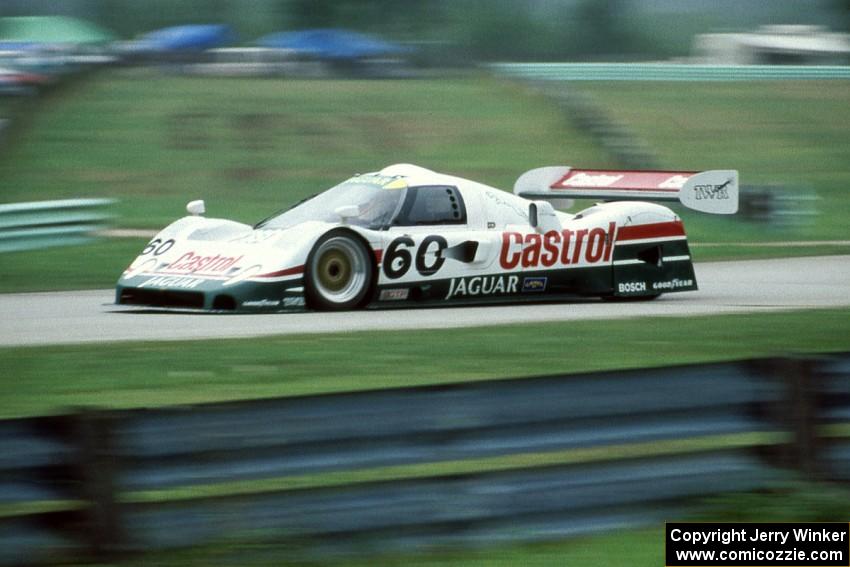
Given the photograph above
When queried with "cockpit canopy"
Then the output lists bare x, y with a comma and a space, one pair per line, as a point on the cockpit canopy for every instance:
377, 202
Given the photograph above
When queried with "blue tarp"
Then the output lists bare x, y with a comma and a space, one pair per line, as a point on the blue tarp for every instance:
332, 44
195, 37
20, 46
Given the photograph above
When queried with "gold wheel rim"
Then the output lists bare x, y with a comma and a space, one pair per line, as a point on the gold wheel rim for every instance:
340, 270
334, 270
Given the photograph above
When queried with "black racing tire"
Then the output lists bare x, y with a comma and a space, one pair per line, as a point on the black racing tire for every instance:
339, 272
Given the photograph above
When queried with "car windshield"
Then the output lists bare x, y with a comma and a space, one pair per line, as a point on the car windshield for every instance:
372, 202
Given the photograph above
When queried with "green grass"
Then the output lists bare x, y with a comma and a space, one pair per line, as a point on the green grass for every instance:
252, 146
790, 133
635, 548
87, 266
718, 251
154, 374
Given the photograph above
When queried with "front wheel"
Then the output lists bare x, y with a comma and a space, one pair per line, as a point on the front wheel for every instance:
338, 273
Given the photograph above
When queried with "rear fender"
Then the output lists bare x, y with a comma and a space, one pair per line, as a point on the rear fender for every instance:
652, 258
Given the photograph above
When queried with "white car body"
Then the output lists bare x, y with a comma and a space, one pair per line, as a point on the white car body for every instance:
488, 245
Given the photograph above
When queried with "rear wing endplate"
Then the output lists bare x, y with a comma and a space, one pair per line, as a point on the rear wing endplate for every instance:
714, 191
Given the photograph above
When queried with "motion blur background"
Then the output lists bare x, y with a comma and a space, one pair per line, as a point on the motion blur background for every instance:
472, 30
115, 113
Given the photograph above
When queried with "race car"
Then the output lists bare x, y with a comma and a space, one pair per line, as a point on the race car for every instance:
406, 235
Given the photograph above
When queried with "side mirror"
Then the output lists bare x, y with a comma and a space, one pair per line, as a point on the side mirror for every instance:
196, 208
347, 212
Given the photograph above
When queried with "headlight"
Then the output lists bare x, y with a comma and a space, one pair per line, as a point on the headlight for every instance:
244, 275
146, 266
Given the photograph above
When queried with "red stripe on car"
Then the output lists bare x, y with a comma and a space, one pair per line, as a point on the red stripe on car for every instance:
286, 272
655, 230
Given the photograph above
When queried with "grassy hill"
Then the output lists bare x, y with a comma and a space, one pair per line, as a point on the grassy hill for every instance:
251, 146
783, 133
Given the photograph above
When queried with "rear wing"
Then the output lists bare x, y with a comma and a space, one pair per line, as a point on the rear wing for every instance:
713, 191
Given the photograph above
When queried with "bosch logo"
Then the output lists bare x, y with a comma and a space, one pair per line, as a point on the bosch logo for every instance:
631, 287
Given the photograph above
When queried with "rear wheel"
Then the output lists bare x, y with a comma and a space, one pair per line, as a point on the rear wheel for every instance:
338, 273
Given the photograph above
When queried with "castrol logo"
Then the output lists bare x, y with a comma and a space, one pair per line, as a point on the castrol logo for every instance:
556, 248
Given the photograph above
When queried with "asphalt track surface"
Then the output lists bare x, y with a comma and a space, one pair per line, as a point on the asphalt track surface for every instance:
725, 287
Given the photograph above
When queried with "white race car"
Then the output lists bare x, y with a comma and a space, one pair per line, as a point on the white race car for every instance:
406, 235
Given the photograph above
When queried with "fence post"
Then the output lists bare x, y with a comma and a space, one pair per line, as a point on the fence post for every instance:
832, 378
805, 405
795, 410
94, 438
800, 415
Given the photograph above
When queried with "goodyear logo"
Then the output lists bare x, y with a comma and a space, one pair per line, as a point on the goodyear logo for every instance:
531, 285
